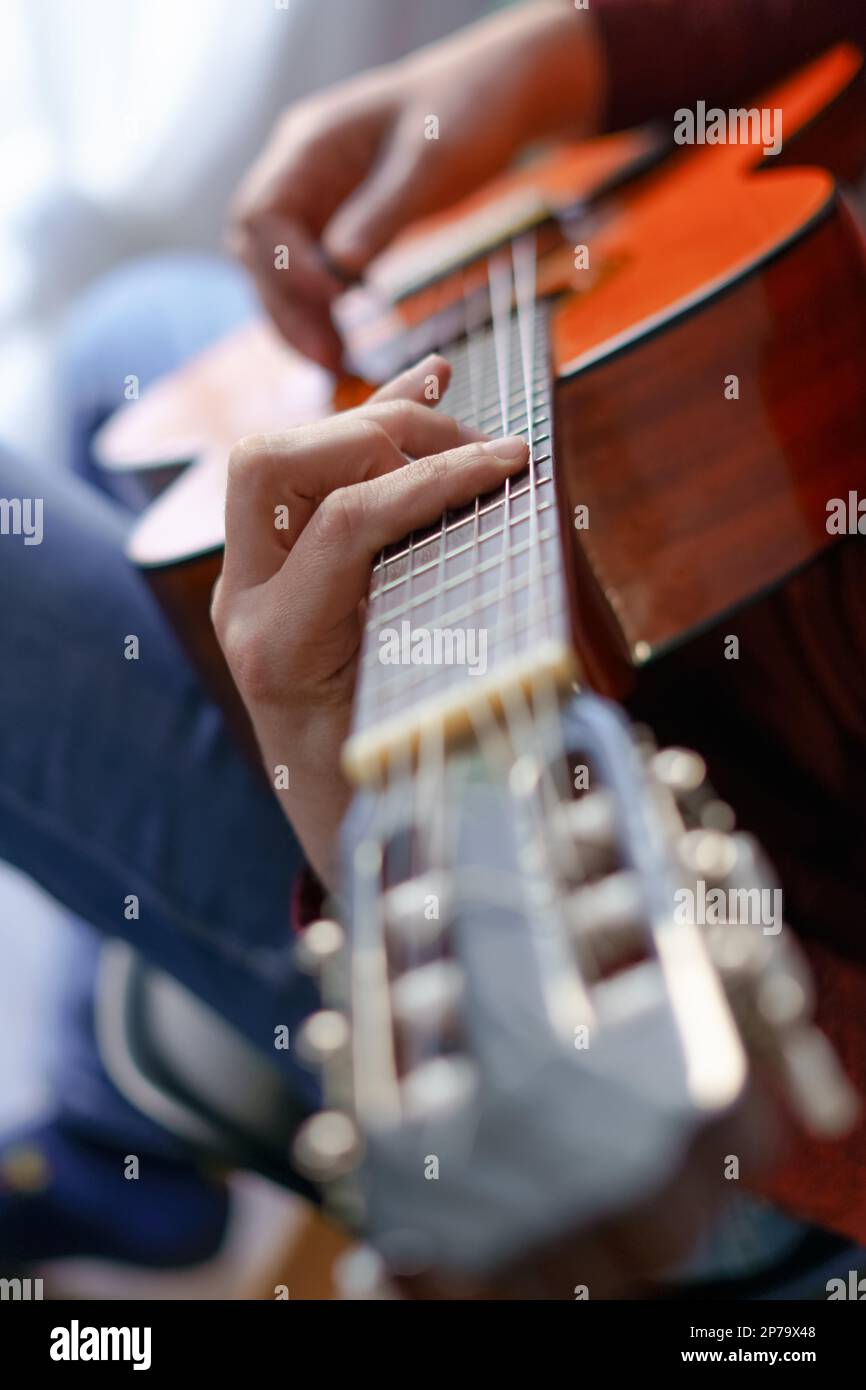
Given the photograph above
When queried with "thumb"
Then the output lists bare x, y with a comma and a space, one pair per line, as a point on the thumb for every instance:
389, 198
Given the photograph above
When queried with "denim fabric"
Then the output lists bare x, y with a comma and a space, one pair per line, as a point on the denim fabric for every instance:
118, 777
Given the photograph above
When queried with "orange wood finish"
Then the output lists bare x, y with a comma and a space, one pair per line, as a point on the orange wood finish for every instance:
697, 502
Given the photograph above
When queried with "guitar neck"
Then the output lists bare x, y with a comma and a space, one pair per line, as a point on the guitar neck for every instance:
475, 606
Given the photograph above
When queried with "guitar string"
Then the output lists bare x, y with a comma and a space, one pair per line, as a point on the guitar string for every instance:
525, 264
430, 781
533, 583
428, 791
428, 774
473, 336
500, 293
523, 255
517, 711
427, 785
547, 727
501, 290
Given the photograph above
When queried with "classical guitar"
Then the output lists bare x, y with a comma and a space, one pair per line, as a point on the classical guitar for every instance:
686, 360
708, 277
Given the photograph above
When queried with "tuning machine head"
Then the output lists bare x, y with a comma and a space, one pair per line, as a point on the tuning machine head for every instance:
324, 1037
681, 773
327, 1146
320, 944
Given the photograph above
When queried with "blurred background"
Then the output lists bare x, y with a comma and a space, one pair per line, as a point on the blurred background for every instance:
125, 128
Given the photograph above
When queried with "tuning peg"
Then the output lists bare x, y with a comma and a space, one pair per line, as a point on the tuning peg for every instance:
319, 944
409, 922
817, 1088
361, 1274
441, 1084
427, 998
783, 1000
327, 1145
738, 950
709, 854
324, 1036
680, 770
770, 991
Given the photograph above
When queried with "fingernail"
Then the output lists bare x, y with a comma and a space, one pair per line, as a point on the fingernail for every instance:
508, 449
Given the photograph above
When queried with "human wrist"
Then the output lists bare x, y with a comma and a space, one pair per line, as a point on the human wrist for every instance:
561, 71
297, 753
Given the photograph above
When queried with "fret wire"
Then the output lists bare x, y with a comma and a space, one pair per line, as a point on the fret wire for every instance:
458, 614
428, 595
527, 391
469, 609
464, 550
452, 526
499, 278
410, 678
462, 520
523, 258
473, 339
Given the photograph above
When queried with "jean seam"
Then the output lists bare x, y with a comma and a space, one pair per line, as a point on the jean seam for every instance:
258, 960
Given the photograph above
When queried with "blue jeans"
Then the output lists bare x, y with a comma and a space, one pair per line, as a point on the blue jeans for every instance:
119, 777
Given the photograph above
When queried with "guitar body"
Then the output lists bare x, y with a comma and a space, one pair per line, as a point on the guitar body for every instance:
708, 521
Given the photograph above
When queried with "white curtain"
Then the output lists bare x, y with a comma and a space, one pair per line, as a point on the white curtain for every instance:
126, 124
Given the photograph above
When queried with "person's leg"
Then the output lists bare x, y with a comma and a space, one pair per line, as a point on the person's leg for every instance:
63, 1184
144, 319
65, 1188
121, 790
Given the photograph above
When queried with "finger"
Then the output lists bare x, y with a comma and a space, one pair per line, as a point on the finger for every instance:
307, 327
385, 202
426, 381
417, 430
275, 482
283, 248
355, 523
294, 286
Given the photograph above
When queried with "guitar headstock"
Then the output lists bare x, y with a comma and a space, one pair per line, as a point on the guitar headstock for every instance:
540, 1002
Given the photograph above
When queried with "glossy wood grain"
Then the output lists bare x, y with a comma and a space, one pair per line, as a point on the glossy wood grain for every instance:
783, 728
697, 502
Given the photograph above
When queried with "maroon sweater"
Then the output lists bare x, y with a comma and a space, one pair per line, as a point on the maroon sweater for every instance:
666, 54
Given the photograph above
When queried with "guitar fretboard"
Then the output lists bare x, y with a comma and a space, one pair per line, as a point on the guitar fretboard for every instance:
457, 605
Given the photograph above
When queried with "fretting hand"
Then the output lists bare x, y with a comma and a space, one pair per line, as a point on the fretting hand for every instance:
307, 511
